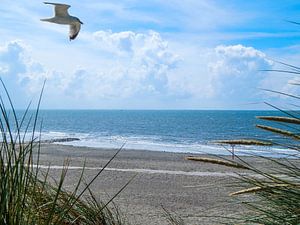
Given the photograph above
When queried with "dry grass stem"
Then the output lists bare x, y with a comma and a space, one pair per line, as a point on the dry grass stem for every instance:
280, 119
217, 161
257, 189
279, 131
244, 142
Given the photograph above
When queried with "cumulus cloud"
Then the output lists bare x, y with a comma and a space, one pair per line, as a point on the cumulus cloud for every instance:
140, 63
140, 66
17, 70
237, 69
148, 49
224, 72
12, 59
238, 61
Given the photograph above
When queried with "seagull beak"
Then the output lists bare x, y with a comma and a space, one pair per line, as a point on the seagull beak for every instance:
81, 22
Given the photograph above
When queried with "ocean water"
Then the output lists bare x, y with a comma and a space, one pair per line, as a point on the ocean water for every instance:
158, 130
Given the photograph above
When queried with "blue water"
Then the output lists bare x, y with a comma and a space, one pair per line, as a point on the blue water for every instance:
159, 130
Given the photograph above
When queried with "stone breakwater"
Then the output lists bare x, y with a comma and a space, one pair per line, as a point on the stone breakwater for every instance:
60, 140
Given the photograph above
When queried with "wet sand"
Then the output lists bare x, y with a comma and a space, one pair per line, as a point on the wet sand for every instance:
162, 180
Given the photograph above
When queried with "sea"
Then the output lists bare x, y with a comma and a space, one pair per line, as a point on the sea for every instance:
188, 131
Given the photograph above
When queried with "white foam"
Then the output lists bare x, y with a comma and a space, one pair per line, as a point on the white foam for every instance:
145, 144
146, 171
154, 143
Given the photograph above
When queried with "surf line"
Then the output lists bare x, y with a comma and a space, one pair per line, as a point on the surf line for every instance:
145, 171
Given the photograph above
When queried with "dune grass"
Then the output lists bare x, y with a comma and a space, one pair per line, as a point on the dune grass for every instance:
276, 193
271, 195
243, 142
223, 162
26, 194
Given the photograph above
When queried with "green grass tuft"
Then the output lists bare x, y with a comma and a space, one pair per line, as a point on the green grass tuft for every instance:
27, 197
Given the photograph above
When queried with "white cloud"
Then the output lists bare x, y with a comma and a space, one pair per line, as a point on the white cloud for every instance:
179, 61
140, 66
11, 59
16, 70
237, 69
225, 72
238, 61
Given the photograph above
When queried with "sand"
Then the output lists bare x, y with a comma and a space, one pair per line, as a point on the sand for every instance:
162, 180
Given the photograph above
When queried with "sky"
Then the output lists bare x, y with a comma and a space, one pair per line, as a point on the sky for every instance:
132, 54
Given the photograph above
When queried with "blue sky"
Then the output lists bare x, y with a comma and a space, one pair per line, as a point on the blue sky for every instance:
130, 54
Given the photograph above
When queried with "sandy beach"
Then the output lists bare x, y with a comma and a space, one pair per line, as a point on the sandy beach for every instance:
189, 189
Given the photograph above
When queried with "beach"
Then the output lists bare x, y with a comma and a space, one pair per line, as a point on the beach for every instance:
192, 190
150, 112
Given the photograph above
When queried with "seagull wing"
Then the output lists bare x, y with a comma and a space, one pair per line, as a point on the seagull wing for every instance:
74, 30
61, 10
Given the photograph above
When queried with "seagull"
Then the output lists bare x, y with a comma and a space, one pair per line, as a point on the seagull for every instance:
63, 17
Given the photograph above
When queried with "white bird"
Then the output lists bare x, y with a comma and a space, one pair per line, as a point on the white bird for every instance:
62, 17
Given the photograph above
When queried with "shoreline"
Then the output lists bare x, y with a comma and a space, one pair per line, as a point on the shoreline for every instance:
59, 151
133, 159
163, 179
209, 148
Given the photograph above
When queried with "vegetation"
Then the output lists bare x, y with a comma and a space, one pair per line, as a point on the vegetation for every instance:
233, 143
271, 194
26, 194
276, 192
217, 161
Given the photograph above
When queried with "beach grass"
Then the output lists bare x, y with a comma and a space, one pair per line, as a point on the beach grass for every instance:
242, 142
223, 162
272, 193
276, 193
27, 194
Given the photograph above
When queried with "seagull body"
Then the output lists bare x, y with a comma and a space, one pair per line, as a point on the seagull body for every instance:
62, 17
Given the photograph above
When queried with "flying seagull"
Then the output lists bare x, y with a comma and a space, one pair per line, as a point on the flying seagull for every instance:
63, 17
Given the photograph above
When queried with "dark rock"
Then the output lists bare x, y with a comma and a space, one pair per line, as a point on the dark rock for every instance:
61, 140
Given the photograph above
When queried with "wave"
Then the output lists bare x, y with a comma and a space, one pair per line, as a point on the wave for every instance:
154, 143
